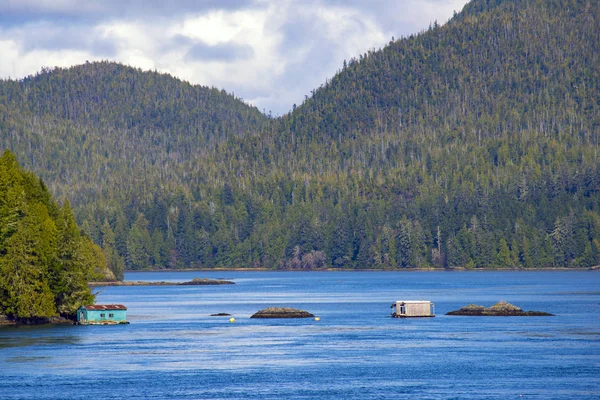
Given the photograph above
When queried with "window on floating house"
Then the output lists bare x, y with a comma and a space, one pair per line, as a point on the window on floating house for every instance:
111, 315
102, 315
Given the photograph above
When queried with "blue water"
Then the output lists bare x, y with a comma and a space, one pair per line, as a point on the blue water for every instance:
174, 349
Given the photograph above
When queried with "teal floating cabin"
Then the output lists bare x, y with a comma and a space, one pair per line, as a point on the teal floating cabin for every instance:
102, 314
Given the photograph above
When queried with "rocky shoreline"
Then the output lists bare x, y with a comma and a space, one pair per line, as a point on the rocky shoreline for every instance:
275, 312
6, 321
193, 282
500, 309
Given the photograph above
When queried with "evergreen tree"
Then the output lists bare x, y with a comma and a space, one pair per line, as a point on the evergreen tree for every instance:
24, 289
503, 257
71, 270
139, 244
113, 260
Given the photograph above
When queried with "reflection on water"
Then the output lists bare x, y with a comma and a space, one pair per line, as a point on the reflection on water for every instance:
20, 359
174, 349
14, 337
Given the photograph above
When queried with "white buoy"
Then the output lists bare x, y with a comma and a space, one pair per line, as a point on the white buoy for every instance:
317, 319
232, 319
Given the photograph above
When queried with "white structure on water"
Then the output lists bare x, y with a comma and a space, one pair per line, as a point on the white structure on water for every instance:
413, 308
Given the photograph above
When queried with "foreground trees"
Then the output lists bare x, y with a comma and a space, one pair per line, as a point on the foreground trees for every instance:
45, 263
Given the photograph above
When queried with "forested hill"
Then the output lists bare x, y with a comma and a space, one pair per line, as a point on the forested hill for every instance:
111, 94
96, 126
473, 144
499, 67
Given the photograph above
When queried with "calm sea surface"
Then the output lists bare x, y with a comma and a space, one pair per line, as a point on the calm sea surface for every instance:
174, 349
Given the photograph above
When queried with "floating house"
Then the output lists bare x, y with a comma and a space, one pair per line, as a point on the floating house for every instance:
413, 308
99, 314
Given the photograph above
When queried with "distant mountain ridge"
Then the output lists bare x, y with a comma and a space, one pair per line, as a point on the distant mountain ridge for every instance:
105, 117
473, 144
108, 93
495, 60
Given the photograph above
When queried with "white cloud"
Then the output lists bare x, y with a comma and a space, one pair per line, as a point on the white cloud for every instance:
17, 64
271, 53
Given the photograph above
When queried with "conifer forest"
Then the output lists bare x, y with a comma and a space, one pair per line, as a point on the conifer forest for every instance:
473, 144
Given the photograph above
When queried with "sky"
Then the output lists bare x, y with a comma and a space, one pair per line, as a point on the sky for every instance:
270, 53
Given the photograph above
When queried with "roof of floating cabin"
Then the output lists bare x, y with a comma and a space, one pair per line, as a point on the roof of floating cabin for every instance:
413, 301
105, 307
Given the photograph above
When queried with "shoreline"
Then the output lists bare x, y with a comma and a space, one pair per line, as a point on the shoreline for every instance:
57, 320
597, 268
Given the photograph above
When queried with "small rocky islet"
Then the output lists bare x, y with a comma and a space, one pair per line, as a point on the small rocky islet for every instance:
500, 309
193, 282
283, 312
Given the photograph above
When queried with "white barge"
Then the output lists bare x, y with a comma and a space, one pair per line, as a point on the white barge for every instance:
413, 308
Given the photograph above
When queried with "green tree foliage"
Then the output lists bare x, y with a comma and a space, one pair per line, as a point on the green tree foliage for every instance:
503, 257
139, 244
472, 144
113, 261
25, 292
45, 263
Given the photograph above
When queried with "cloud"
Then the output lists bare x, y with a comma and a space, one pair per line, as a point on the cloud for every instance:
271, 53
46, 36
103, 9
219, 52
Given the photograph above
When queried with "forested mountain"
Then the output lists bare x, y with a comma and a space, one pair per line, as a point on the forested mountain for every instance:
98, 125
45, 262
472, 144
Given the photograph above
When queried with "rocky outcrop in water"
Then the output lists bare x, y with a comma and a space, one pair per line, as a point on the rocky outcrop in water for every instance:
500, 309
206, 281
193, 282
285, 312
